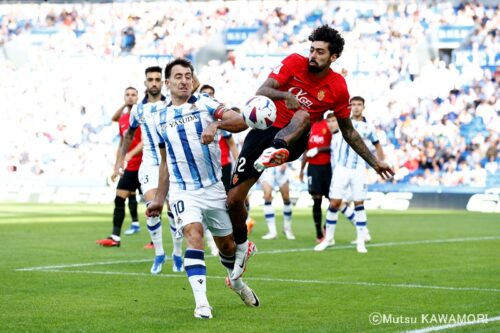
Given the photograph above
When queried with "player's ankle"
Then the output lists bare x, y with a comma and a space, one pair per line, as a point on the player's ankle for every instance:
279, 143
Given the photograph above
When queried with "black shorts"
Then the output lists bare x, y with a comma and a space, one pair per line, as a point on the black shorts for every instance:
129, 181
255, 143
226, 176
319, 178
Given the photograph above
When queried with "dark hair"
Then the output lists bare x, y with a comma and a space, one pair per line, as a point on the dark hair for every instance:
330, 36
330, 115
236, 109
358, 98
153, 69
207, 86
179, 61
131, 88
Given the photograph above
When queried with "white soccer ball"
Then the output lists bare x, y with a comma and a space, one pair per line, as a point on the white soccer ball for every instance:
259, 112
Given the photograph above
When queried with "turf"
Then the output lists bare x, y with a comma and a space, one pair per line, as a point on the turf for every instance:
410, 270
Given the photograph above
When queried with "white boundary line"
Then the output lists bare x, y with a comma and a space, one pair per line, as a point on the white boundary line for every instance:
296, 281
444, 327
308, 249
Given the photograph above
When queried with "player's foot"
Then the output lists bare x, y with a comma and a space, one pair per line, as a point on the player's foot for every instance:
134, 229
271, 157
270, 235
288, 234
360, 247
366, 236
243, 253
324, 244
108, 242
158, 264
250, 223
203, 312
149, 245
246, 294
177, 266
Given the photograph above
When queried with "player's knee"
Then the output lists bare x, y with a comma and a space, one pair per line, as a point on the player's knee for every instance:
235, 201
304, 118
119, 201
335, 204
132, 199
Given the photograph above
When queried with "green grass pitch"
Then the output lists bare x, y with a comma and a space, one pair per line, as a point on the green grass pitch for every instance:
435, 262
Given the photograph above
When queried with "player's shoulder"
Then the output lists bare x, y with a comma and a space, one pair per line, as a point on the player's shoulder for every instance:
295, 58
335, 78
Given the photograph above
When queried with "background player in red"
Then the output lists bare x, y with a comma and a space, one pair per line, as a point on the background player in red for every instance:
319, 170
129, 182
303, 89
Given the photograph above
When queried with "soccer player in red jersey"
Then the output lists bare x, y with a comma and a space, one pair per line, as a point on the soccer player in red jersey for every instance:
303, 89
319, 170
129, 182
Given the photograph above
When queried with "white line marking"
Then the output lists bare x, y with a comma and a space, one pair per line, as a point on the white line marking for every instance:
337, 247
444, 327
298, 281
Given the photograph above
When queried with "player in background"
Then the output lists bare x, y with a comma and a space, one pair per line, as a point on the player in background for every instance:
141, 118
129, 182
277, 177
319, 169
350, 173
190, 173
303, 89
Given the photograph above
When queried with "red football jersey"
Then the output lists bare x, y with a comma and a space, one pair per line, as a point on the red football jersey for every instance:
320, 137
225, 159
124, 123
315, 95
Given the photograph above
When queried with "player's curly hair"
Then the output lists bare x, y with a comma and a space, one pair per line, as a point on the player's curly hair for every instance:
331, 36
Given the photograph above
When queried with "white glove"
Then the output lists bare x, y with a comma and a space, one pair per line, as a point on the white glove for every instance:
312, 152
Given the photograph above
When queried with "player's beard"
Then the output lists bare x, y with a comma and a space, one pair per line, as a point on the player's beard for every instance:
154, 92
314, 69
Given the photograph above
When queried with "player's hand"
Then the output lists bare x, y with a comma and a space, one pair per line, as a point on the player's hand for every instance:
128, 157
209, 133
292, 102
312, 152
154, 209
114, 176
384, 170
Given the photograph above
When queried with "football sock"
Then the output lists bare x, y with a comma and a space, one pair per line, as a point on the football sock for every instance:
331, 223
269, 215
317, 217
361, 221
228, 262
118, 215
349, 213
287, 214
155, 231
132, 206
194, 264
279, 143
177, 242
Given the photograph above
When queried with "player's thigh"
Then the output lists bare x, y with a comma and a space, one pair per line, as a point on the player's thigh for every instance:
253, 146
148, 178
340, 183
285, 191
226, 176
215, 215
185, 208
359, 185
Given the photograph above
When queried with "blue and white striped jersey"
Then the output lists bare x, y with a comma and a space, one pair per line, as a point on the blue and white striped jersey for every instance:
142, 114
343, 154
191, 164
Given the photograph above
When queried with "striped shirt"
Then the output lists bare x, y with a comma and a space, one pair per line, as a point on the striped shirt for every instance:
343, 154
142, 114
191, 164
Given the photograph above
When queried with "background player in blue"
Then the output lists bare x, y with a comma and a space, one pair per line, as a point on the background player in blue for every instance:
142, 115
190, 173
349, 179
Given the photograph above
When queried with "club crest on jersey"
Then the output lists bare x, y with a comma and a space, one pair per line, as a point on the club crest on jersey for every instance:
321, 95
235, 179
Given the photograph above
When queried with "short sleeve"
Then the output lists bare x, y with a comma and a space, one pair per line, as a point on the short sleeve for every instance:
284, 71
341, 103
373, 135
214, 107
134, 117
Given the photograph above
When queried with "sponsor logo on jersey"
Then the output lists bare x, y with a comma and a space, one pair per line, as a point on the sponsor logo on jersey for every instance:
321, 95
178, 122
301, 96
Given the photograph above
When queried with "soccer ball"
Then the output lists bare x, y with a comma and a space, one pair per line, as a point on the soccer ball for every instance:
259, 112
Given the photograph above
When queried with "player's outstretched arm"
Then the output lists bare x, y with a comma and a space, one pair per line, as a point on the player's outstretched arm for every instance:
270, 89
155, 207
230, 121
354, 140
123, 149
118, 113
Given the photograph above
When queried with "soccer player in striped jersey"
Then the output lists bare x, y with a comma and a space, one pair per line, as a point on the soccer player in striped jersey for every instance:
142, 117
190, 172
350, 173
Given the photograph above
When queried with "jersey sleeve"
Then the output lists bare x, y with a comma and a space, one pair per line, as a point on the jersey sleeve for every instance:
341, 105
213, 106
284, 71
225, 134
134, 117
